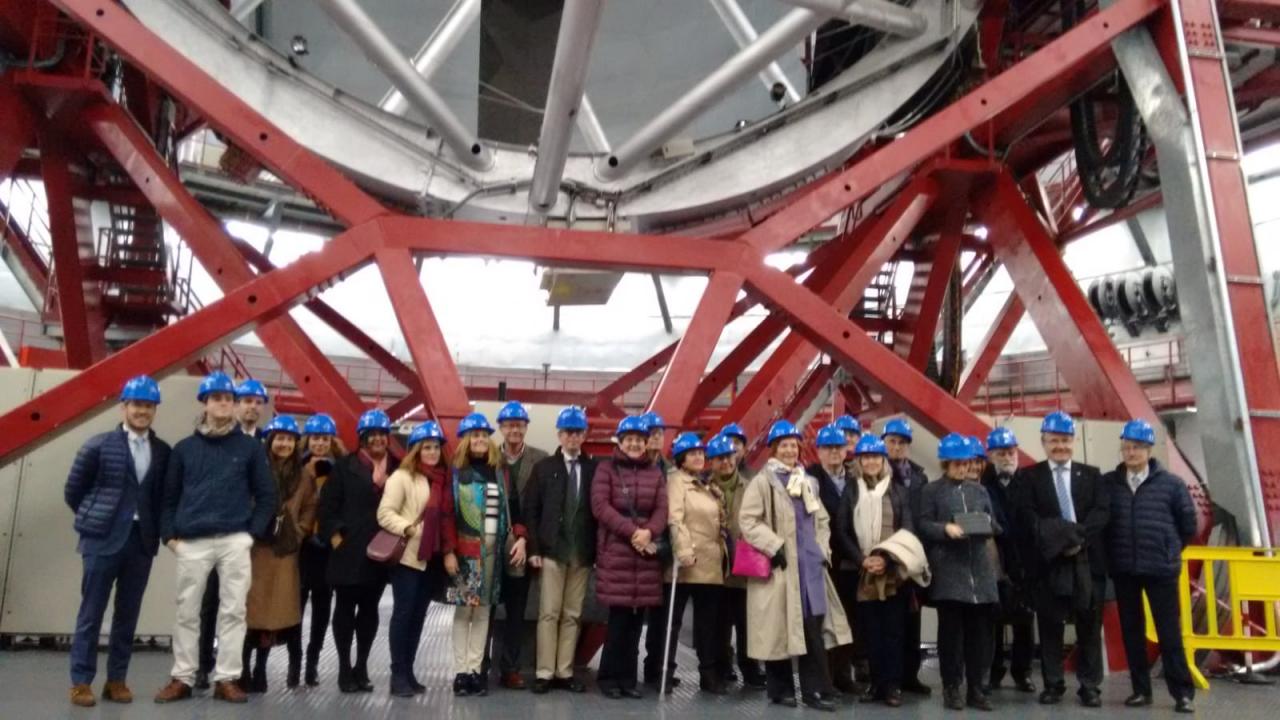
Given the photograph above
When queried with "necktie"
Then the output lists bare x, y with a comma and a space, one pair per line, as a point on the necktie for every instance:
1064, 493
573, 477
141, 457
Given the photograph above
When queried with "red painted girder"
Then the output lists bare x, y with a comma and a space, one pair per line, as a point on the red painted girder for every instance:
22, 249
809, 389
17, 127
305, 364
439, 377
675, 391
925, 325
1252, 35
979, 367
79, 298
224, 111
1246, 292
1268, 10
769, 388
174, 347
1038, 76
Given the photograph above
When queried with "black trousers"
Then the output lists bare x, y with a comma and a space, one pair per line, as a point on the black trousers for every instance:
732, 616
313, 561
881, 625
1019, 653
621, 649
507, 638
814, 679
356, 614
1162, 594
208, 622
708, 632
411, 590
840, 659
1052, 615
912, 595
964, 643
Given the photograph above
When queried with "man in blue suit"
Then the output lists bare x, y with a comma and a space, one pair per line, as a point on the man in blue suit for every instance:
114, 489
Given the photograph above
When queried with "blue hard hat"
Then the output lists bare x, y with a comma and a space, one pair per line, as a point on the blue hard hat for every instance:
1058, 422
831, 436
849, 423
429, 430
320, 424
374, 419
513, 411
282, 424
572, 418
1139, 430
474, 421
652, 421
251, 388
719, 446
976, 445
955, 446
733, 430
1001, 438
869, 444
684, 443
634, 424
141, 389
215, 382
899, 427
782, 429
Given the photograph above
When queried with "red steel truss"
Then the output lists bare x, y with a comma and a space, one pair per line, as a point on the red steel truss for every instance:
944, 192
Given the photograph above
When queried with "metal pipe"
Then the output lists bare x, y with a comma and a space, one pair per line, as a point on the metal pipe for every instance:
744, 33
242, 9
382, 52
578, 24
590, 127
877, 14
431, 56
784, 35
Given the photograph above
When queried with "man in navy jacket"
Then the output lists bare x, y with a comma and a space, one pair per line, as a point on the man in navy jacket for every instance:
219, 494
1152, 520
114, 489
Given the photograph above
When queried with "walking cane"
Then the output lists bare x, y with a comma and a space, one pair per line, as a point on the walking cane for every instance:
671, 612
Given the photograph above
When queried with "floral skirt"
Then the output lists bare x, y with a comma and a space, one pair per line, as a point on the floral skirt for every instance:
478, 579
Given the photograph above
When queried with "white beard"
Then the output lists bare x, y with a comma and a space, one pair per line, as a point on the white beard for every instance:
1007, 468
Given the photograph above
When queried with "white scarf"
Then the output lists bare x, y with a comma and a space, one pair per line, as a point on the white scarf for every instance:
798, 485
868, 513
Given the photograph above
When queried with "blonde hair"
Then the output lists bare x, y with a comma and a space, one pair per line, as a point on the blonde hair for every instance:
410, 461
462, 453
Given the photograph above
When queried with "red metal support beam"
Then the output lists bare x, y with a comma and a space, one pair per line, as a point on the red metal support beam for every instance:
84, 330
305, 364
17, 127
976, 372
675, 390
172, 348
916, 345
1038, 77
439, 377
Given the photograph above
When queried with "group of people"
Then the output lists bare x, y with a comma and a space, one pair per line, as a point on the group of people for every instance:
827, 566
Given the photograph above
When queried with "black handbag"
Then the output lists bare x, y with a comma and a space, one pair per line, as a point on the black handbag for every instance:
974, 524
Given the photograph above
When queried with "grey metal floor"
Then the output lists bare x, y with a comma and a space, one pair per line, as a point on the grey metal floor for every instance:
33, 685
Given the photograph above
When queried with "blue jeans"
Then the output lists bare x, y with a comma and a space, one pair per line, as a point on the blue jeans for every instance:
127, 571
411, 592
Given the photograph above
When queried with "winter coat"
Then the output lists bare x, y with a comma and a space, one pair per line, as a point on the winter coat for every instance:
104, 492
404, 499
696, 517
845, 539
273, 603
1065, 580
732, 505
830, 496
523, 470
215, 486
1016, 558
918, 480
628, 495
544, 500
1149, 528
964, 570
906, 561
775, 613
349, 517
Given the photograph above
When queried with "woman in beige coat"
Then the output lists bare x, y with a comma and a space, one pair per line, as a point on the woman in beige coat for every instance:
795, 612
273, 611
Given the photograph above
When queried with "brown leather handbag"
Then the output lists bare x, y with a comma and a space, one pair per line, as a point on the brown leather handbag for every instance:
386, 547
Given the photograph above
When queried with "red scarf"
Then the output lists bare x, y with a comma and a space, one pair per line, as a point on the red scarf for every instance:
429, 541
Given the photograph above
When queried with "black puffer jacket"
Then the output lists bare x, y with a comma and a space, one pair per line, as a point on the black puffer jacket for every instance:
1148, 528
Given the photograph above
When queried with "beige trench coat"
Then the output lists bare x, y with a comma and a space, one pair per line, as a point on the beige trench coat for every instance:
695, 515
275, 592
775, 615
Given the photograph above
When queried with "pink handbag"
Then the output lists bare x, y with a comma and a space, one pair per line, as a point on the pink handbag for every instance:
749, 562
386, 547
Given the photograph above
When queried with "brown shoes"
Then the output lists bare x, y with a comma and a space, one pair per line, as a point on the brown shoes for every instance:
229, 691
513, 681
176, 690
82, 696
117, 692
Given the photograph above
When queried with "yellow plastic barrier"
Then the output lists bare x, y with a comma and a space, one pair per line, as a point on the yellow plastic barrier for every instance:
1253, 575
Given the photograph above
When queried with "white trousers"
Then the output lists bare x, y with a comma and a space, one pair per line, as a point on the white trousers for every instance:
196, 559
470, 631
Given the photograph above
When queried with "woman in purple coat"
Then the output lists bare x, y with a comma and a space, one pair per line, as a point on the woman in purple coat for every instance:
629, 501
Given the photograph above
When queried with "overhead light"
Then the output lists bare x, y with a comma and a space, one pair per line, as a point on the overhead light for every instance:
980, 232
298, 45
1077, 212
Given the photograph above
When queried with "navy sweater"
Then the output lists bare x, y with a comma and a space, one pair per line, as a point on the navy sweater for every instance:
217, 485
1148, 528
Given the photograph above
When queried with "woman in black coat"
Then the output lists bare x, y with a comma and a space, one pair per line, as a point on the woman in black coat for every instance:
349, 521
